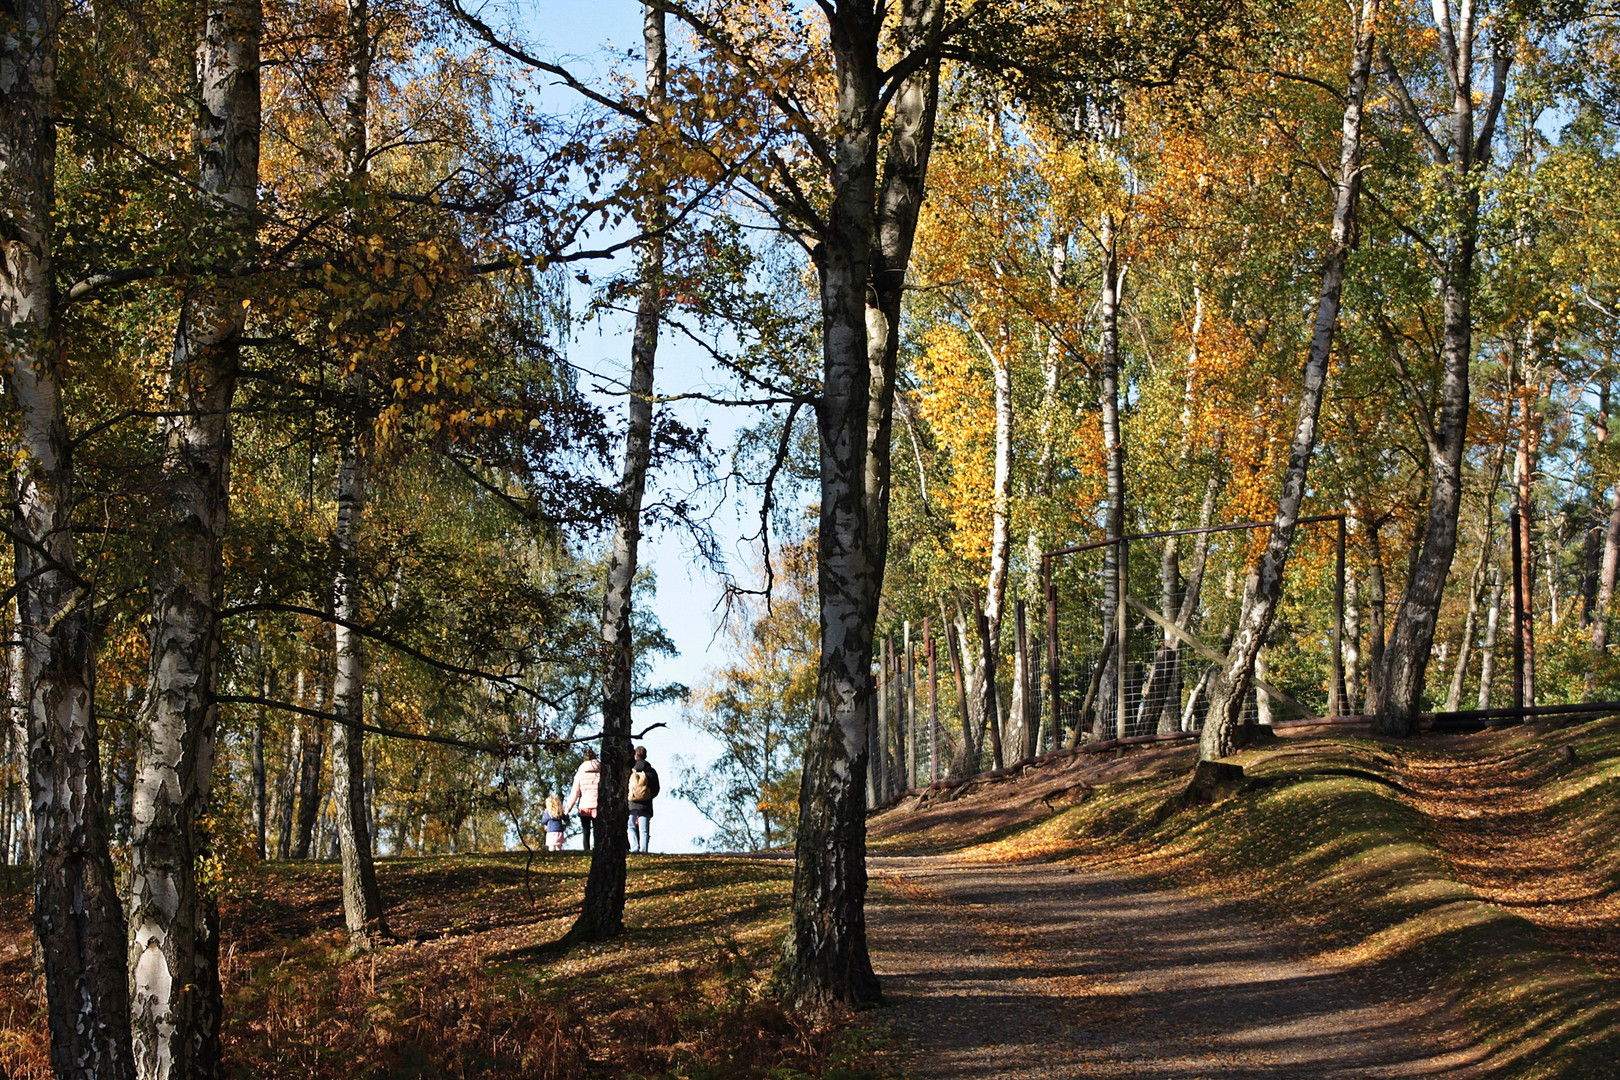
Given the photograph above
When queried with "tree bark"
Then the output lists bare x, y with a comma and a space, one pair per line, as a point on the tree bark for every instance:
1397, 697
1352, 644
965, 759
602, 912
1606, 575
1224, 731
1487, 662
1377, 599
312, 759
363, 913
174, 941
995, 586
78, 919
1107, 704
862, 283
17, 689
287, 790
1476, 584
988, 652
261, 791
1524, 472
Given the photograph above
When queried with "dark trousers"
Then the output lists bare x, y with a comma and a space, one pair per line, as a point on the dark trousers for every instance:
585, 823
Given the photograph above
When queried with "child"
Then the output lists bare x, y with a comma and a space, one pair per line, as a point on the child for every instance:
556, 823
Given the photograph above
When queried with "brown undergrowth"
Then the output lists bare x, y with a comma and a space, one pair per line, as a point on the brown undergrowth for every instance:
1485, 868
475, 988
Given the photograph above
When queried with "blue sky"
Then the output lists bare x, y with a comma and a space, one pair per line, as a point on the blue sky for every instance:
581, 35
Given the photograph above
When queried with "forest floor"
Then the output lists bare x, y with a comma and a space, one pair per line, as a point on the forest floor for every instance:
1444, 906
475, 987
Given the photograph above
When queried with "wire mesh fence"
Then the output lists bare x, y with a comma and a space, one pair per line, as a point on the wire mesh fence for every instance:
1142, 627
1127, 640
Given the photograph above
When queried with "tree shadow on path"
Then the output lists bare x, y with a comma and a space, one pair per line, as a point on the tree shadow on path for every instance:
1042, 971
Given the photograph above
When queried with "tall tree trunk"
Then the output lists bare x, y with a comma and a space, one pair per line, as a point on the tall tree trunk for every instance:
826, 956
287, 789
363, 913
18, 692
1606, 575
1476, 584
1397, 697
312, 760
1352, 644
1045, 485
78, 919
1487, 662
1108, 704
261, 791
602, 913
362, 900
173, 925
1525, 464
1377, 598
1224, 730
1161, 699
965, 760
995, 586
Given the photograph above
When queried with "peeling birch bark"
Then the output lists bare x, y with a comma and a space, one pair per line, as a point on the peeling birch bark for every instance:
78, 917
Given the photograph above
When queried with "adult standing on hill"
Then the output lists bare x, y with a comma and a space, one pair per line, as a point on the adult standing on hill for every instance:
643, 790
587, 783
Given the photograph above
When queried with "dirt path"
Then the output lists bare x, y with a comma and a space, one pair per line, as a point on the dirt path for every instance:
1040, 971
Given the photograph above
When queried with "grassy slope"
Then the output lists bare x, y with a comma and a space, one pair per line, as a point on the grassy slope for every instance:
477, 988
1367, 844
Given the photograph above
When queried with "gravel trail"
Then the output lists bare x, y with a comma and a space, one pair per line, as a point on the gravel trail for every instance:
1042, 971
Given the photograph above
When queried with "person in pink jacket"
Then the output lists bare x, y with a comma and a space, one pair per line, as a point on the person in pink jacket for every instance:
587, 781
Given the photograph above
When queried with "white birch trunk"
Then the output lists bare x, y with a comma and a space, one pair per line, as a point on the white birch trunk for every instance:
602, 912
1224, 731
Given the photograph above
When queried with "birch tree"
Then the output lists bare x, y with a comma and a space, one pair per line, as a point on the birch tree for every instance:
1459, 152
78, 916
1224, 730
602, 913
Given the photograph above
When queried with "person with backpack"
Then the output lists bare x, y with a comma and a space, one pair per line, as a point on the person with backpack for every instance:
643, 790
587, 783
555, 822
